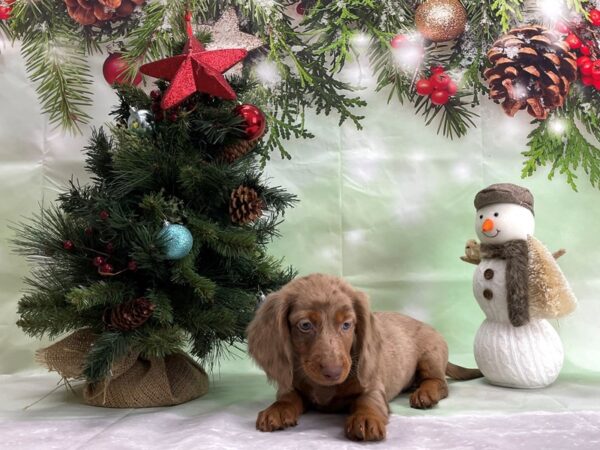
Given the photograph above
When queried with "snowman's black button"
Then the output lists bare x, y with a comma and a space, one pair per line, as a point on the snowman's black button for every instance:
488, 274
488, 294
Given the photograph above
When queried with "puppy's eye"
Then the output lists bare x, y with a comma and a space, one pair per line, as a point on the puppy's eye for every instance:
305, 326
346, 326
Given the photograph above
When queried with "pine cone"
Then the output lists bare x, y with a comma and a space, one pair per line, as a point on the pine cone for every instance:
245, 205
531, 68
90, 12
129, 315
237, 150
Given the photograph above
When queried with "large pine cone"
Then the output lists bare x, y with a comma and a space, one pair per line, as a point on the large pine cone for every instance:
129, 315
531, 68
245, 205
90, 12
237, 149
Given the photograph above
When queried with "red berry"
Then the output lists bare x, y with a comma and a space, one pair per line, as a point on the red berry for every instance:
99, 261
155, 94
132, 265
587, 81
398, 40
103, 214
439, 97
561, 28
89, 231
573, 41
110, 247
5, 11
300, 9
583, 59
585, 50
452, 88
437, 69
594, 17
440, 81
68, 245
173, 116
424, 87
586, 68
106, 268
596, 69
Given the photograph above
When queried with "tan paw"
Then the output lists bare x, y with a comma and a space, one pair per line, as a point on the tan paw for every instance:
278, 416
424, 398
365, 427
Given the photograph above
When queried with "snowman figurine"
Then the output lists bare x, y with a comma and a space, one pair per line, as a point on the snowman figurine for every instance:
518, 285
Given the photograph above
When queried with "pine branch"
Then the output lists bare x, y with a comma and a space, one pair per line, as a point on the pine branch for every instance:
508, 12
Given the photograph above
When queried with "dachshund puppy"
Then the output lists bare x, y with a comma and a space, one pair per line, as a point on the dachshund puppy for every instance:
318, 341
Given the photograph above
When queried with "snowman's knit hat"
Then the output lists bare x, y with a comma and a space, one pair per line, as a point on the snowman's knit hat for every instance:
504, 193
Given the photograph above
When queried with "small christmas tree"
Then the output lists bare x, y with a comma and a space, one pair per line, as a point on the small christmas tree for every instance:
165, 249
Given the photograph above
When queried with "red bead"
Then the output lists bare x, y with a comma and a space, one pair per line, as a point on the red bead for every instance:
104, 214
437, 69
583, 59
89, 231
5, 11
573, 41
585, 50
115, 70
440, 81
99, 261
561, 28
439, 97
397, 41
106, 268
300, 9
452, 88
68, 245
255, 121
424, 87
586, 68
132, 265
594, 17
110, 247
596, 69
587, 81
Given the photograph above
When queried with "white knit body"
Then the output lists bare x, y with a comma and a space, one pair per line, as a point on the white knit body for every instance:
528, 356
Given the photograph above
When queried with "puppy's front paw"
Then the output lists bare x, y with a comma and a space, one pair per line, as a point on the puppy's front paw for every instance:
365, 427
278, 416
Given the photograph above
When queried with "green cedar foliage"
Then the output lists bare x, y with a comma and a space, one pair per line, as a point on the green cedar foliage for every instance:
172, 172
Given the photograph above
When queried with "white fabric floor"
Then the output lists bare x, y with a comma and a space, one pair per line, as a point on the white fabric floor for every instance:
475, 416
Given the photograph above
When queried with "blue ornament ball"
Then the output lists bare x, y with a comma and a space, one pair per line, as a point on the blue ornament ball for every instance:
178, 240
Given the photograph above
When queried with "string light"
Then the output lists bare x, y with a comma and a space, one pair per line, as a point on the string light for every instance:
557, 126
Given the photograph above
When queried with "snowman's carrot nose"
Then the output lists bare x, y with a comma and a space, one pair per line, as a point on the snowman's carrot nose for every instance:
487, 226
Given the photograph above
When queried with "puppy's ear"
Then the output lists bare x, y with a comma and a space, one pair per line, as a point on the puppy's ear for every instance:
269, 341
368, 339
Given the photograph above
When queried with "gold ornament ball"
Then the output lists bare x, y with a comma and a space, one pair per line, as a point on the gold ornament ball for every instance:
441, 20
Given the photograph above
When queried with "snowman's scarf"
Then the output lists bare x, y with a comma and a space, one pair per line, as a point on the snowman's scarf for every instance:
516, 254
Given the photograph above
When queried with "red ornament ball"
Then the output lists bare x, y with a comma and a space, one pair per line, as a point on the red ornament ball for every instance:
68, 245
255, 121
132, 265
397, 41
594, 17
440, 81
439, 97
573, 41
586, 68
115, 70
106, 268
5, 11
99, 261
104, 214
424, 87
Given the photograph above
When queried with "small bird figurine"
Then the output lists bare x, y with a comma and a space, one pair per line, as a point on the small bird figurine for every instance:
518, 285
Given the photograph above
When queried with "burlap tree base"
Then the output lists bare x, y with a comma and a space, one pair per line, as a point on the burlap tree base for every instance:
135, 382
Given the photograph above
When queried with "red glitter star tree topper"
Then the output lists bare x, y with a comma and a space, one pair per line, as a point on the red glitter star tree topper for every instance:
195, 70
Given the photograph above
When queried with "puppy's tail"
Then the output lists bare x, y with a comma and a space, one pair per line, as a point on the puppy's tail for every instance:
461, 373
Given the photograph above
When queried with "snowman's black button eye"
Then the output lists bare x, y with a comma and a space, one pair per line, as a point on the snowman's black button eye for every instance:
496, 214
481, 216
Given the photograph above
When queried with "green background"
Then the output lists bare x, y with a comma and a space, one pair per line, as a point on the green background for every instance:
388, 207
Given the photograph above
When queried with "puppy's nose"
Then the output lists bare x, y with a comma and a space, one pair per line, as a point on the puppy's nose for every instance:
331, 372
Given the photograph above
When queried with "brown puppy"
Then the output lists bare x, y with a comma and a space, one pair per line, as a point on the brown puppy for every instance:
318, 340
